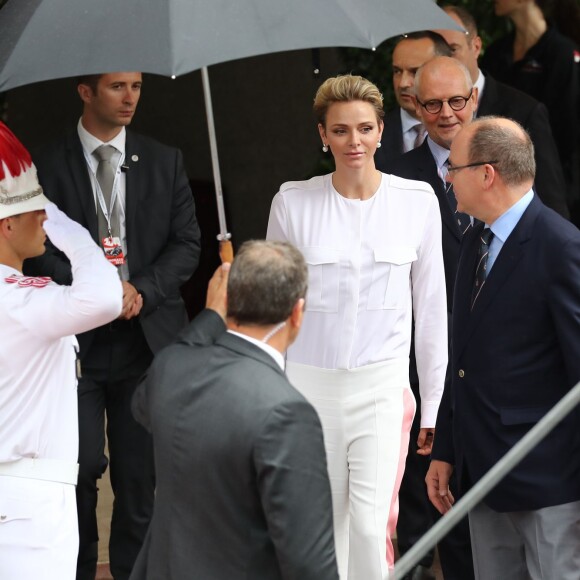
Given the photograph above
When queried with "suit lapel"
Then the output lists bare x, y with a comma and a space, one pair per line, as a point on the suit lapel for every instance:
393, 132
463, 287
78, 168
427, 171
134, 188
511, 253
486, 104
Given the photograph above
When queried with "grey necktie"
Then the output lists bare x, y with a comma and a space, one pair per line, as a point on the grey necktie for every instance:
420, 131
106, 179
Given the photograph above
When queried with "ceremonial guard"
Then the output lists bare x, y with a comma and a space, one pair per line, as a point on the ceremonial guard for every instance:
38, 374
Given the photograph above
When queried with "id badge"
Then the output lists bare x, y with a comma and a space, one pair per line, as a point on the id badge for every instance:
113, 251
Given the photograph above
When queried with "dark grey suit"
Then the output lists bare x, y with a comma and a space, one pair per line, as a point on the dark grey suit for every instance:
242, 483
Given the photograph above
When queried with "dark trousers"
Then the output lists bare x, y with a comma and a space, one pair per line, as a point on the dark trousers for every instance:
417, 515
111, 369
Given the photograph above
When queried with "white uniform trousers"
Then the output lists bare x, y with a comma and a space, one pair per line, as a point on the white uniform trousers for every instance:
366, 414
38, 529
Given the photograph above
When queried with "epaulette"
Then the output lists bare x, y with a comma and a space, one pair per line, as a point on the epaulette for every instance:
402, 183
28, 281
312, 183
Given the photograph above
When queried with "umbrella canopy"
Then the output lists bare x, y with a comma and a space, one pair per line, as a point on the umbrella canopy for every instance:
49, 39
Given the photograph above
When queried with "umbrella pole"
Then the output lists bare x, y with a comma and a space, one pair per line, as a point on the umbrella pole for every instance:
226, 249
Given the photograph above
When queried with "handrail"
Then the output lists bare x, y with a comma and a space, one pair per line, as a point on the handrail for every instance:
487, 482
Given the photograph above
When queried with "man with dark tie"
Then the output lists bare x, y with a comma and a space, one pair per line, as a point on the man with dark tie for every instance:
515, 337
133, 195
445, 101
495, 98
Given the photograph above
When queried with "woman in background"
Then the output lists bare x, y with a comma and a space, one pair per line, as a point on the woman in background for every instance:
538, 59
373, 246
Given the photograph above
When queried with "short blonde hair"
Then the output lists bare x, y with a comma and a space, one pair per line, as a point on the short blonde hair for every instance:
343, 89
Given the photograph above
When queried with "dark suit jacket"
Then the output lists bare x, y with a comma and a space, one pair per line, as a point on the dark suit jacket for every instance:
242, 483
391, 141
503, 100
420, 165
163, 239
513, 357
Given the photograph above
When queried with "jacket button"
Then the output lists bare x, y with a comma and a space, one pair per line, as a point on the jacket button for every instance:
461, 373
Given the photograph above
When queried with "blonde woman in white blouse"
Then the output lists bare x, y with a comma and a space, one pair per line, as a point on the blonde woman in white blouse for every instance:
372, 242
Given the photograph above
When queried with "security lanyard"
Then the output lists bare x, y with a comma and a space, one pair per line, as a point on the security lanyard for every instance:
99, 192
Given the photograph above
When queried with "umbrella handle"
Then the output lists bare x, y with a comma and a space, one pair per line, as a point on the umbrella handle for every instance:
226, 251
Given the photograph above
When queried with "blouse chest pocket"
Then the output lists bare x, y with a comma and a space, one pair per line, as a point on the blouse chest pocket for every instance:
391, 281
323, 278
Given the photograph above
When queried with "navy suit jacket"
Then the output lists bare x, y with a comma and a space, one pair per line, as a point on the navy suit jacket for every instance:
163, 238
242, 483
420, 165
513, 357
391, 141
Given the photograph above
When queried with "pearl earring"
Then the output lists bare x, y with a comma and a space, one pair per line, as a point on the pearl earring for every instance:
379, 145
325, 148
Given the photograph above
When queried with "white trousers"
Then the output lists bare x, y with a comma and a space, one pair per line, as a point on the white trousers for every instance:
366, 415
38, 529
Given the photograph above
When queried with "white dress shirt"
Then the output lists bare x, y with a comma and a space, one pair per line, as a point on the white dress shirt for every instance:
408, 126
270, 350
372, 265
479, 84
90, 143
504, 225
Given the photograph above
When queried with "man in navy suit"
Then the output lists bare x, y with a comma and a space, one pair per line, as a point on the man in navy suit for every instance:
151, 221
515, 337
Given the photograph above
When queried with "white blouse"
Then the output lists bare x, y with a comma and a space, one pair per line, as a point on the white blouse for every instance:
373, 265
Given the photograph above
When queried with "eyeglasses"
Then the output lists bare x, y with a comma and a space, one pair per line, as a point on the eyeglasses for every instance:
451, 168
434, 106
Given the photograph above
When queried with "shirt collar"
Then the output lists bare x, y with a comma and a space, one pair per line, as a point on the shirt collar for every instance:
504, 225
408, 121
275, 354
90, 142
440, 154
479, 85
